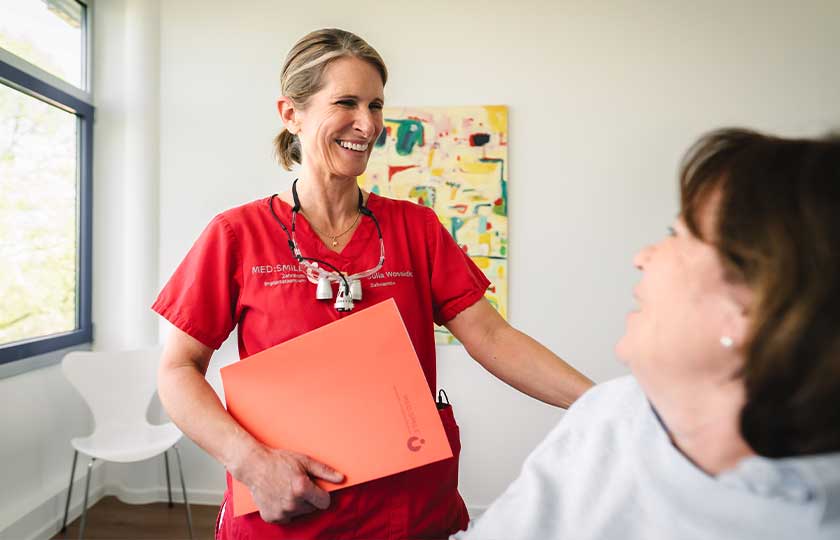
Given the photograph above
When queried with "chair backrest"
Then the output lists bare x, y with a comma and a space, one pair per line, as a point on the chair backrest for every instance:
117, 386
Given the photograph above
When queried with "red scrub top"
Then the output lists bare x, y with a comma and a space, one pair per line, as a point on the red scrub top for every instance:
241, 272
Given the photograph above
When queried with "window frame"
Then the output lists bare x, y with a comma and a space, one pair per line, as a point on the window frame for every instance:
39, 84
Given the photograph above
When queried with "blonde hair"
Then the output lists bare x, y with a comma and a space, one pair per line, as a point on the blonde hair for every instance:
303, 72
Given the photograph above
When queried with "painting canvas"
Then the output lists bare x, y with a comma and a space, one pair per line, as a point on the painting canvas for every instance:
455, 161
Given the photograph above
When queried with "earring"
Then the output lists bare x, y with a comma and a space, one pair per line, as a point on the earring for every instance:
727, 342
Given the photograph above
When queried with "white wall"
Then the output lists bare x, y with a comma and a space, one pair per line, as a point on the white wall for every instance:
604, 98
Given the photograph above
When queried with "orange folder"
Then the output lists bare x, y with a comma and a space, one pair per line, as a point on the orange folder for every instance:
350, 394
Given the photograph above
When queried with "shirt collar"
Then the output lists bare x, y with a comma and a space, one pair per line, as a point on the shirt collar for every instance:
798, 480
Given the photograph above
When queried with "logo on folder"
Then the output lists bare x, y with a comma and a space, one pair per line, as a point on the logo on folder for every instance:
415, 440
415, 443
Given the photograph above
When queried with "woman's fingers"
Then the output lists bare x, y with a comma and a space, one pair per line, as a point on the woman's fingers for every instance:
286, 488
319, 470
281, 482
305, 508
305, 491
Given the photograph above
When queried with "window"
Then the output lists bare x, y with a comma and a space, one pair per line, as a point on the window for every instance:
46, 132
47, 33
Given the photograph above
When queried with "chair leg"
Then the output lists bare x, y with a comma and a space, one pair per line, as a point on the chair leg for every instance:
168, 483
184, 490
69, 491
84, 508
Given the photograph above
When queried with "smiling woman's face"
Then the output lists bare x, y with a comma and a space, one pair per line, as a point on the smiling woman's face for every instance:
685, 306
340, 123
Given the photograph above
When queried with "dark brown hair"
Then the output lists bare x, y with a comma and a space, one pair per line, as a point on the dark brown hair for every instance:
777, 230
303, 73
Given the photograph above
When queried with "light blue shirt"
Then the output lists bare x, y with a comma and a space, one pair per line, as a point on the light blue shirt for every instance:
609, 470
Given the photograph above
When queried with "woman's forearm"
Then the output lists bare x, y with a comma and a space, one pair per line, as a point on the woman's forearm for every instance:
195, 408
524, 363
515, 357
281, 481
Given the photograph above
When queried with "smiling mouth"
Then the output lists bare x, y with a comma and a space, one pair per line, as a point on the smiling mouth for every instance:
637, 300
356, 147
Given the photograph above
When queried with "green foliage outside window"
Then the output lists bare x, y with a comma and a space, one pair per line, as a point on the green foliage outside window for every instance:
38, 214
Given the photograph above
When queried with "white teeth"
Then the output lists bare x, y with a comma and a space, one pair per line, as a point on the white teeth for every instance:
353, 146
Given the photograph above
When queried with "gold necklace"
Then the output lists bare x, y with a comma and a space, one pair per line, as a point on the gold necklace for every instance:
334, 238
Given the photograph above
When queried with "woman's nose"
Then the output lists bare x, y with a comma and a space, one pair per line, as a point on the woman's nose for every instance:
366, 124
642, 257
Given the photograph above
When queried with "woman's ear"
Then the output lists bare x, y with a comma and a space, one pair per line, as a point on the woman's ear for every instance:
288, 114
739, 299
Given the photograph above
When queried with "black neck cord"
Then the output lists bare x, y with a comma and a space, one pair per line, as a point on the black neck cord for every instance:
297, 208
364, 210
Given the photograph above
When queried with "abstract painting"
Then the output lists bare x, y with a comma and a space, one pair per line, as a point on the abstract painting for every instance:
455, 161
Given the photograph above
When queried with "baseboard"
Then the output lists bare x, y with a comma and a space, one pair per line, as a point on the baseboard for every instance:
158, 494
44, 520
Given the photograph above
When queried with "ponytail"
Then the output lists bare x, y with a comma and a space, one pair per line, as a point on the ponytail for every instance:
287, 149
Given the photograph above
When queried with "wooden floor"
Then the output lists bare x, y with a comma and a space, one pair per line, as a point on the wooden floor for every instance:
114, 520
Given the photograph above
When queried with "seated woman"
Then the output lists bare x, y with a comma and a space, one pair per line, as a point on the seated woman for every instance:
730, 424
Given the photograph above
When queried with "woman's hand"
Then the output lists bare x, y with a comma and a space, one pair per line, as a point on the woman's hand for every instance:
281, 484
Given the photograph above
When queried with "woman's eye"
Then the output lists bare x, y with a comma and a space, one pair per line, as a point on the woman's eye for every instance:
346, 103
376, 106
672, 231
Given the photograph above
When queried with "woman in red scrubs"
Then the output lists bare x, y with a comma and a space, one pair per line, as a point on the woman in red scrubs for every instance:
242, 273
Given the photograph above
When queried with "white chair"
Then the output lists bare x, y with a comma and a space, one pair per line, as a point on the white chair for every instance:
118, 387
